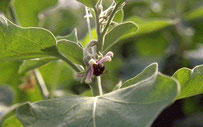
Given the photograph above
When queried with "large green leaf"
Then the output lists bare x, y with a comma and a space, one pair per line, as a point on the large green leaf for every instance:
150, 25
35, 63
12, 122
148, 73
117, 32
194, 14
135, 106
24, 43
71, 50
89, 3
27, 10
191, 81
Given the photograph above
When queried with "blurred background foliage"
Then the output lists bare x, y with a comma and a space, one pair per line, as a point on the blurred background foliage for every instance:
171, 33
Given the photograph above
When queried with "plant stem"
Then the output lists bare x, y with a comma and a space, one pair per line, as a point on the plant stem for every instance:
99, 85
72, 65
109, 21
96, 89
100, 42
42, 85
102, 34
99, 35
96, 86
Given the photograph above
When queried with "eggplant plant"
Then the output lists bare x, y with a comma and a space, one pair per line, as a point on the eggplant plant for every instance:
134, 103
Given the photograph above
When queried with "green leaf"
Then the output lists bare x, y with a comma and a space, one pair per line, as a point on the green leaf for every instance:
4, 4
135, 106
191, 81
35, 63
150, 25
89, 3
24, 43
12, 122
71, 50
72, 36
57, 74
148, 73
119, 1
117, 32
27, 11
119, 16
194, 14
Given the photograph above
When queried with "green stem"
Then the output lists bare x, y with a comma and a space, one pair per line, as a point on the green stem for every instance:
110, 20
106, 28
96, 86
42, 85
99, 85
74, 67
98, 30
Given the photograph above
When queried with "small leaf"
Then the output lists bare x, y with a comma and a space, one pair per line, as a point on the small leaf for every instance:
72, 36
191, 81
35, 63
149, 72
119, 1
89, 3
71, 51
194, 14
117, 32
24, 43
135, 106
119, 16
12, 121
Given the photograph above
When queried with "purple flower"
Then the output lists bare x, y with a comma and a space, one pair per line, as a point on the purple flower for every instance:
97, 68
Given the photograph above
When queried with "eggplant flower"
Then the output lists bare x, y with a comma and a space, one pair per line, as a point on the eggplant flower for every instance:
96, 67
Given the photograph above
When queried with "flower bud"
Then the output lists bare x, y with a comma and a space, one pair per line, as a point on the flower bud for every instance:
92, 61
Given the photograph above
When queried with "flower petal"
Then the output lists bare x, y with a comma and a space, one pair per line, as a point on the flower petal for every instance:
90, 74
110, 53
104, 59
